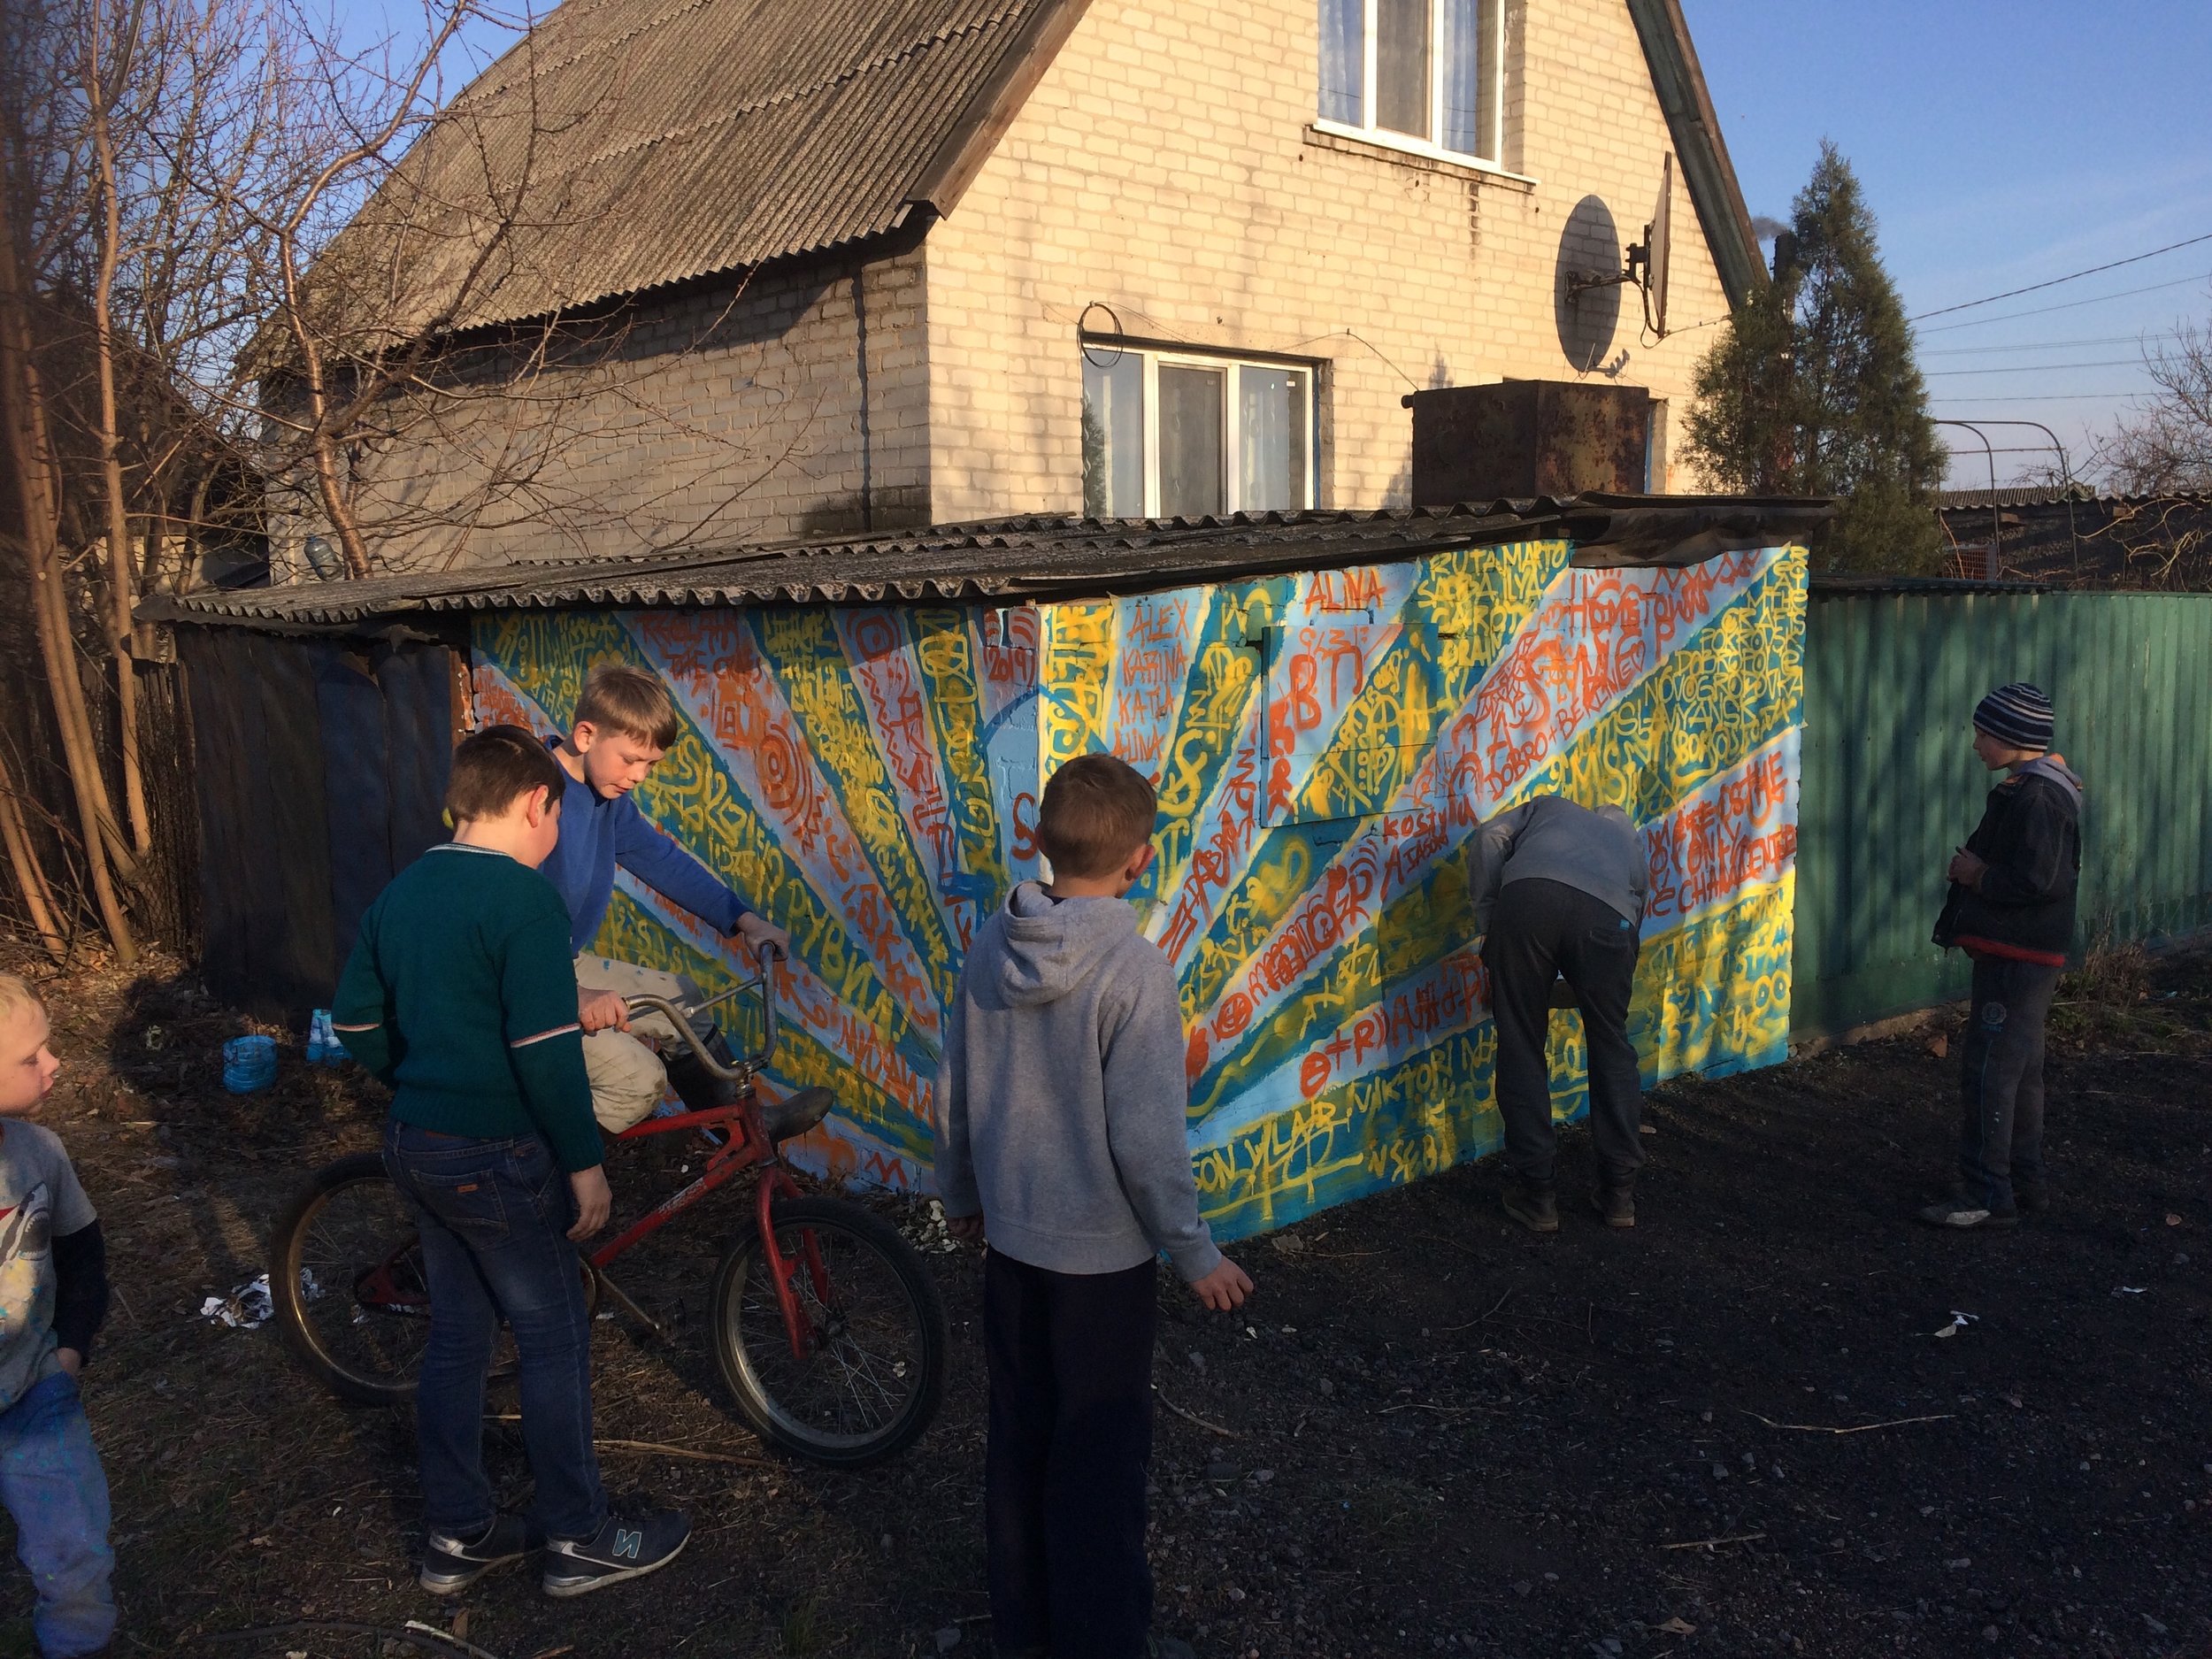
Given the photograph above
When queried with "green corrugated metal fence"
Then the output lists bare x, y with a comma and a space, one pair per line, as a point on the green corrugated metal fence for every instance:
1890, 784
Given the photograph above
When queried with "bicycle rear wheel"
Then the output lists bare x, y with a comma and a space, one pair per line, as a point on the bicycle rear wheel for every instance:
346, 1279
872, 1366
347, 1284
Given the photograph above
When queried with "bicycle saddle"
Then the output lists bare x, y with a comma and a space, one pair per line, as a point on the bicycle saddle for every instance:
797, 1115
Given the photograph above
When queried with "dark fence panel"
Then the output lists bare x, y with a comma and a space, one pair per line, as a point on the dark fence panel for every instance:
320, 768
1890, 784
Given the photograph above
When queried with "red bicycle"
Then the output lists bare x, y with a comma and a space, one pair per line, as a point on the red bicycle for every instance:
827, 1330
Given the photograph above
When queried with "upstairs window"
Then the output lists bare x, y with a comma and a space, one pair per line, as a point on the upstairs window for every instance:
1425, 74
1175, 434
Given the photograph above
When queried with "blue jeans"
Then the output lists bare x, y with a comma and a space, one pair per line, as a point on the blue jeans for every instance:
494, 1216
52, 1483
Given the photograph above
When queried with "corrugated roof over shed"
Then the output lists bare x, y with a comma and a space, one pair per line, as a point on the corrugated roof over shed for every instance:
1045, 555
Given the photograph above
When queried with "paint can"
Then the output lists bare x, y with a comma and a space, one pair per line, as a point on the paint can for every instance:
248, 1063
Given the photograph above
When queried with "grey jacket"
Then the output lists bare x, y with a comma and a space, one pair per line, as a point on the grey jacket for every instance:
1061, 1096
1596, 852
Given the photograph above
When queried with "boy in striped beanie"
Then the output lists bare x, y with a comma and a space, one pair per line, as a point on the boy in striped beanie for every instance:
2011, 908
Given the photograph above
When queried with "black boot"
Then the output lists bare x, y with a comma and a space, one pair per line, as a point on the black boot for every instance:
1534, 1204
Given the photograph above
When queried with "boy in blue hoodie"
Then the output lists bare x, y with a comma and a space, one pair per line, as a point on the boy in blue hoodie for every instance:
2010, 907
1061, 1136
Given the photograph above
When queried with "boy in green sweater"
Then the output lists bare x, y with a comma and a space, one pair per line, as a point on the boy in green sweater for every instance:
460, 994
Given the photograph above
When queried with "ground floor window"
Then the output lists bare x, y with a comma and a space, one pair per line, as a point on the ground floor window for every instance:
1169, 434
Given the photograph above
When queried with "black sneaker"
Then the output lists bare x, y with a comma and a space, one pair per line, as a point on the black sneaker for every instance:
2032, 1197
1616, 1204
626, 1547
451, 1565
1534, 1204
1964, 1214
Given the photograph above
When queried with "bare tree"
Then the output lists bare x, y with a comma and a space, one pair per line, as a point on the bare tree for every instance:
2165, 446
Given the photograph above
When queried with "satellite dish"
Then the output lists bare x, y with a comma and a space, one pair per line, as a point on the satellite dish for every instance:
1645, 264
1657, 240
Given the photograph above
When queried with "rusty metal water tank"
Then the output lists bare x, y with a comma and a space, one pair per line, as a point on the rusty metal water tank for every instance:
1523, 438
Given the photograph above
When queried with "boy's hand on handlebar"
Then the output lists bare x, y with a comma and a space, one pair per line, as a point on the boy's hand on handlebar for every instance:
1224, 1288
967, 1229
594, 1201
602, 1010
760, 934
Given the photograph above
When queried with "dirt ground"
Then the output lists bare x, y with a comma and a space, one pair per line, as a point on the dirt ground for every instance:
1755, 1426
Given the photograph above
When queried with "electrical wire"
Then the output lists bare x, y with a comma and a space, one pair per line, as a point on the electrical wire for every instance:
2064, 305
2050, 345
2040, 368
2053, 397
1968, 305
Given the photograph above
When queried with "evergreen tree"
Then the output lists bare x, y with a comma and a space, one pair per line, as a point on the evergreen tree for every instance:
1812, 389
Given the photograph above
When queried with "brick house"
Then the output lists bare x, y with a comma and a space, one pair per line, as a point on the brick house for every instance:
887, 263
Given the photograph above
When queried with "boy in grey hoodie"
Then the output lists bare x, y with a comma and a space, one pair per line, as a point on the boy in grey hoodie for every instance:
1060, 1105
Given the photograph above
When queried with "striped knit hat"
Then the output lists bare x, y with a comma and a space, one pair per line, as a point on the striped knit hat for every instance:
2017, 714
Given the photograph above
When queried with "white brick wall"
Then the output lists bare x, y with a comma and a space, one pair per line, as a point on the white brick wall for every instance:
728, 414
1163, 167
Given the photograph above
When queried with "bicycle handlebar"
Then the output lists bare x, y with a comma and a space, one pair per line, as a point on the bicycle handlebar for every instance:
735, 1072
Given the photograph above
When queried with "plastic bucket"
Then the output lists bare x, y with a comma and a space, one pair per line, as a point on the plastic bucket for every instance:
248, 1063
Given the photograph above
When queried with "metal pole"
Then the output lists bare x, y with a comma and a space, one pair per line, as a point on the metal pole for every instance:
2066, 471
1992, 566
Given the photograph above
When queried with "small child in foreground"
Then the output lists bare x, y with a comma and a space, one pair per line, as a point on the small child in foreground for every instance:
1061, 1105
53, 1294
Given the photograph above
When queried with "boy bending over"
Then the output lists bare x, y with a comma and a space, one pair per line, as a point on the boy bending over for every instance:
460, 994
625, 721
1061, 1105
53, 1294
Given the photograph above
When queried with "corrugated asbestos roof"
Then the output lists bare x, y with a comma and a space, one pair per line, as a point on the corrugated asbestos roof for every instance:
1014, 558
627, 144
2047, 496
2013, 495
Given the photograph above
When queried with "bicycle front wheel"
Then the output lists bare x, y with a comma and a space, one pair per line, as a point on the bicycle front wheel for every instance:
865, 1374
346, 1279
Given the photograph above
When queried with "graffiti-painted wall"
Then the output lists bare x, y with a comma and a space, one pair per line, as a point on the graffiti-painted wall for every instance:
1323, 745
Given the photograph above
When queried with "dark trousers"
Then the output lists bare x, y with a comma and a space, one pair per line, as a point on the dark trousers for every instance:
2000, 1141
493, 1217
1539, 932
1070, 1357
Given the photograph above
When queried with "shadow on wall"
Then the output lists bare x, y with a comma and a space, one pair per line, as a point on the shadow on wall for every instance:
1589, 245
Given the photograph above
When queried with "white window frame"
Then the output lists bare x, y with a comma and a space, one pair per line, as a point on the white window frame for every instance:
1490, 64
1226, 365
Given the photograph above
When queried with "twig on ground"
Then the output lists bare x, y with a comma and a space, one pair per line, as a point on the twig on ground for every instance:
1192, 1416
443, 1646
656, 1448
1707, 1543
446, 1636
1862, 1428
1472, 1323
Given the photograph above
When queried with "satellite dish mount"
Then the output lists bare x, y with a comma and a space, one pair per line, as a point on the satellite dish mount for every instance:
1645, 264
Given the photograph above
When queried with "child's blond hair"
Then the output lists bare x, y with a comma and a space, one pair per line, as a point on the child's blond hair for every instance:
621, 698
17, 997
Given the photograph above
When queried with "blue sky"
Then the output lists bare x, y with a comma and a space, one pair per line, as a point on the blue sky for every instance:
2000, 142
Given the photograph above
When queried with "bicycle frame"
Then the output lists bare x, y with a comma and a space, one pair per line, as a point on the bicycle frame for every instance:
747, 1145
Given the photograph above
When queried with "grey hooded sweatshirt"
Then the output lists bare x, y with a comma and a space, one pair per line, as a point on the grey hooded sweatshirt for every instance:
1597, 851
1061, 1096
